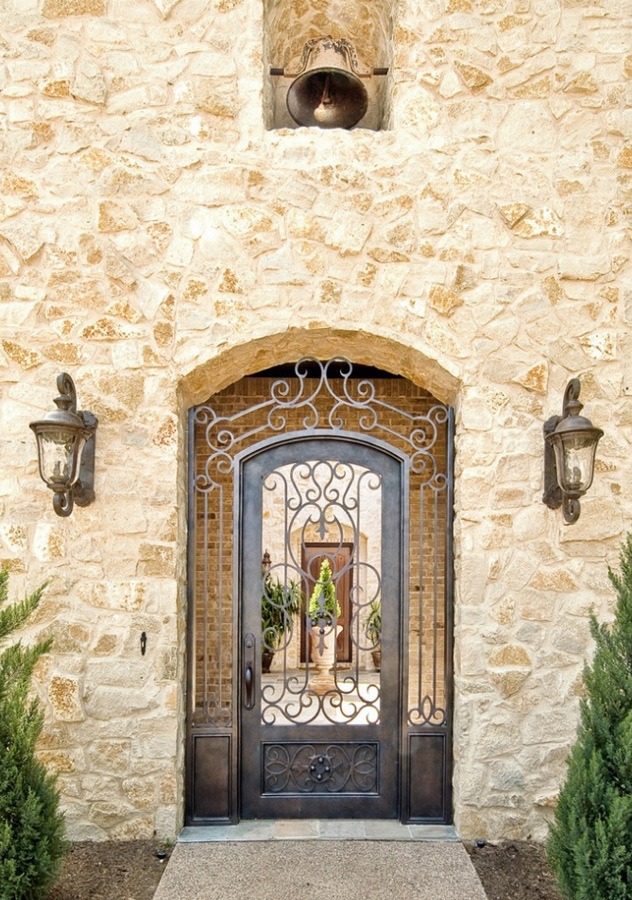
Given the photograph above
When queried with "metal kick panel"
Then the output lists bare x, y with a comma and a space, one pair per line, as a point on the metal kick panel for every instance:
212, 758
427, 773
345, 768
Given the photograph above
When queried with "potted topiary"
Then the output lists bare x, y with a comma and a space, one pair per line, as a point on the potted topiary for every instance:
279, 603
373, 627
323, 612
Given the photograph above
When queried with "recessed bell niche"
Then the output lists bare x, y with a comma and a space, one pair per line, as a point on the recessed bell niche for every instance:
329, 88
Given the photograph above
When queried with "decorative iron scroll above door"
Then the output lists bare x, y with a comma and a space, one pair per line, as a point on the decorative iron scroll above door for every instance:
340, 403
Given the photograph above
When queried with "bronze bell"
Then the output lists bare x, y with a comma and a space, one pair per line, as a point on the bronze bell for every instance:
328, 91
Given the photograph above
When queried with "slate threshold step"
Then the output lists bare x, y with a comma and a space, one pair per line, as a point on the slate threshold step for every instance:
317, 830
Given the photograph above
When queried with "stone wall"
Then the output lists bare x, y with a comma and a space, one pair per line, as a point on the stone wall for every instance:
159, 243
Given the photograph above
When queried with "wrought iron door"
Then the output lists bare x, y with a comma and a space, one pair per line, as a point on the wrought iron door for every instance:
320, 462
321, 738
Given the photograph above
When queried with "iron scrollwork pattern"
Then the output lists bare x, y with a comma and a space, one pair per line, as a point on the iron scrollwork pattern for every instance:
323, 499
348, 403
320, 768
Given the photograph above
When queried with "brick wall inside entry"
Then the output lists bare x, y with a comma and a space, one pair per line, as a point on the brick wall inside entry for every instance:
214, 547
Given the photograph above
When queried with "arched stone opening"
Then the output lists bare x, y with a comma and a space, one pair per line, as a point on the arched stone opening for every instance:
421, 366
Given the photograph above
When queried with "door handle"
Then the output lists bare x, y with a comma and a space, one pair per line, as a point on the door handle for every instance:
248, 681
249, 671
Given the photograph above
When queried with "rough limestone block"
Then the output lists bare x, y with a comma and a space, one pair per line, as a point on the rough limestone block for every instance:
89, 83
55, 9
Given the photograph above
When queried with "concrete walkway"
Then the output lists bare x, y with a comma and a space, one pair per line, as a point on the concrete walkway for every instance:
326, 868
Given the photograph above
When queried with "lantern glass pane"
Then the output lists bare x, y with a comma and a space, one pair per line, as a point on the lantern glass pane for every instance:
576, 467
58, 459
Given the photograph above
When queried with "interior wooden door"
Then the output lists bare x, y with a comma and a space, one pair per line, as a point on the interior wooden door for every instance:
312, 557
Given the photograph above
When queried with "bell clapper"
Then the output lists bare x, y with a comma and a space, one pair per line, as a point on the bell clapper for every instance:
327, 91
325, 111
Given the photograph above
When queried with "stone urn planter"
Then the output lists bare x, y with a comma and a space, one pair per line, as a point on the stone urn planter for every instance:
323, 652
266, 660
324, 610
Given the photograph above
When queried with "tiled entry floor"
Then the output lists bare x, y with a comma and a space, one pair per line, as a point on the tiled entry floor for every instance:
318, 829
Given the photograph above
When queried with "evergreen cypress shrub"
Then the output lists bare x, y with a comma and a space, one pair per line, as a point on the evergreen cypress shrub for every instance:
31, 827
329, 607
590, 845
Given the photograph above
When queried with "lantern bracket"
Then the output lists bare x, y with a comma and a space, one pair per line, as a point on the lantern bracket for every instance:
552, 495
83, 491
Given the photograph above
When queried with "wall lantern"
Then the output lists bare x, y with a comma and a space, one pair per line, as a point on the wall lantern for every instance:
65, 449
570, 442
